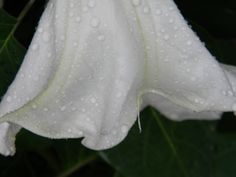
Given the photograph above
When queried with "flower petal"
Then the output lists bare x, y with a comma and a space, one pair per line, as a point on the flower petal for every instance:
176, 112
7, 138
89, 64
230, 71
81, 75
179, 66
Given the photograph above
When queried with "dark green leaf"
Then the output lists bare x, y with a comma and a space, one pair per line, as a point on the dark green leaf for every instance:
11, 51
166, 148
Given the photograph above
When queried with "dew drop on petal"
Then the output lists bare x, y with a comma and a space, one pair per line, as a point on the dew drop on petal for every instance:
80, 133
234, 107
166, 37
34, 106
34, 46
124, 129
91, 3
146, 10
136, 2
93, 100
63, 108
85, 9
46, 36
45, 109
189, 42
9, 99
71, 14
158, 11
72, 5
94, 22
78, 19
230, 93
40, 29
101, 37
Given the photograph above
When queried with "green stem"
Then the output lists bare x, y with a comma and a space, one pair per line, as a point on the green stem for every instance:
77, 166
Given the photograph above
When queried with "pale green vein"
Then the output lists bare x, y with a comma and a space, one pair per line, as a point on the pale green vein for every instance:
77, 166
19, 19
170, 142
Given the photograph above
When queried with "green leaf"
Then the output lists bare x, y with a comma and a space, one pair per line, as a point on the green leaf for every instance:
174, 149
11, 51
72, 156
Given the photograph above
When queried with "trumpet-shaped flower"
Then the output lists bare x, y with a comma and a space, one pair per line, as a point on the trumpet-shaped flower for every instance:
93, 64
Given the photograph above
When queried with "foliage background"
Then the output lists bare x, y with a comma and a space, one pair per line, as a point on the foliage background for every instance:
164, 148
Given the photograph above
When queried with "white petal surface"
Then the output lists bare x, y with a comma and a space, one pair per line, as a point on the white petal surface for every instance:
7, 138
81, 75
179, 66
176, 112
91, 62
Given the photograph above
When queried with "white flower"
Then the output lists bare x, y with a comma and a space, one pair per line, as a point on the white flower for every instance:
92, 65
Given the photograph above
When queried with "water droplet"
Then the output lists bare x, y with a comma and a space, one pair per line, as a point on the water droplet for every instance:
80, 133
45, 109
196, 100
46, 36
114, 132
49, 55
193, 78
40, 30
189, 42
188, 70
171, 20
158, 11
9, 99
62, 37
136, 2
124, 129
71, 14
101, 37
73, 108
93, 100
34, 106
63, 108
230, 93
94, 22
91, 3
85, 9
224, 92
166, 37
72, 5
234, 107
78, 19
118, 95
34, 46
146, 9
171, 8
